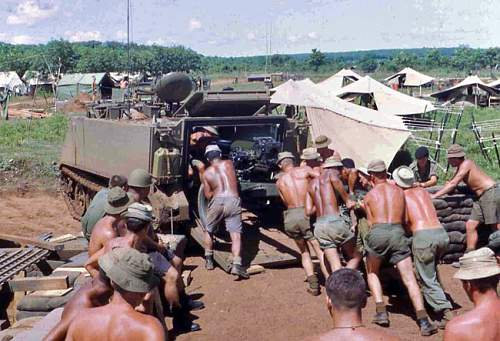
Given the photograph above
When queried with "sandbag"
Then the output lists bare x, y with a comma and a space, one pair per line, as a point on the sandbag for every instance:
454, 217
22, 314
463, 211
455, 226
439, 204
467, 202
455, 248
444, 212
456, 237
43, 303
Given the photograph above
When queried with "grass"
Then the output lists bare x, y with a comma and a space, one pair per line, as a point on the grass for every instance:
29, 149
466, 138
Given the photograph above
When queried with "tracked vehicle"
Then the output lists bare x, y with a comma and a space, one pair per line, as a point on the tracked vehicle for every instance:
251, 134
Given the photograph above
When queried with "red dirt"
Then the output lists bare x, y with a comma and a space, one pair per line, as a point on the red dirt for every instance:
269, 306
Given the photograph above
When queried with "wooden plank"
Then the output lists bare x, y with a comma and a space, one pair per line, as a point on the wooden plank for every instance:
39, 283
51, 293
32, 241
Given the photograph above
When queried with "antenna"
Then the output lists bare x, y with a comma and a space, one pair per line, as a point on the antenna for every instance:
128, 37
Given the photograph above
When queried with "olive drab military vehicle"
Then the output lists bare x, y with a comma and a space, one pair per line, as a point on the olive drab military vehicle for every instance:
250, 132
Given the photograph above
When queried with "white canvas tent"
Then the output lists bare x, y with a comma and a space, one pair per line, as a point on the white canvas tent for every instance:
10, 80
356, 132
471, 89
386, 99
410, 78
339, 80
495, 84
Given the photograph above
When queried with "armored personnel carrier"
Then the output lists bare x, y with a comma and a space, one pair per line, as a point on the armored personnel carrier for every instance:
250, 133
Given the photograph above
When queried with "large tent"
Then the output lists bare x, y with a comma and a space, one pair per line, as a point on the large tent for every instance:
471, 89
356, 132
495, 84
385, 99
10, 80
71, 84
339, 80
409, 78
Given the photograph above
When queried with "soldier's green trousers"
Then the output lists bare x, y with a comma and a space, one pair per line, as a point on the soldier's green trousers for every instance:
427, 246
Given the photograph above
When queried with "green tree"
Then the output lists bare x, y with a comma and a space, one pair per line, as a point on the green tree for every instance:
368, 63
316, 59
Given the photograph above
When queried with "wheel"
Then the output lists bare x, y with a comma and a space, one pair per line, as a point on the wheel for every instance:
81, 199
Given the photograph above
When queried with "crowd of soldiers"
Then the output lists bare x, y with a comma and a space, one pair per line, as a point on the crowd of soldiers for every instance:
360, 216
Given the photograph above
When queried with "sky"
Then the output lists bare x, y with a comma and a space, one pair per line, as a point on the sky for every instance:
243, 27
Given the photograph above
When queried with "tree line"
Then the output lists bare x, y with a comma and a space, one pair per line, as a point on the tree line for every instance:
59, 56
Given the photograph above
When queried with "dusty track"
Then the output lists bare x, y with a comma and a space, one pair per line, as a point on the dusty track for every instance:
270, 306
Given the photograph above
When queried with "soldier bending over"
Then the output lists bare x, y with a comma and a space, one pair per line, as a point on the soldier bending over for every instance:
221, 187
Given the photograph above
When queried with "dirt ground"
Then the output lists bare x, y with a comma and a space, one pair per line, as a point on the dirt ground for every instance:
269, 306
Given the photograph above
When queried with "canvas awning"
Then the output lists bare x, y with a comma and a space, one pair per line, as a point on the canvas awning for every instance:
411, 78
457, 90
10, 80
495, 84
387, 100
356, 132
339, 80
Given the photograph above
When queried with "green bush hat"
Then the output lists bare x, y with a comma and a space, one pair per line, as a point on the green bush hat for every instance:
310, 154
404, 177
376, 166
117, 201
455, 150
322, 141
139, 211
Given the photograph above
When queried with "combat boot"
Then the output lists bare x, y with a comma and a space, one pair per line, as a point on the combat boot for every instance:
426, 327
313, 285
381, 318
446, 317
182, 321
189, 304
238, 270
209, 262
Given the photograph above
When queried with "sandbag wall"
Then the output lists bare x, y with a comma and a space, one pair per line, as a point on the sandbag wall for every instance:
453, 211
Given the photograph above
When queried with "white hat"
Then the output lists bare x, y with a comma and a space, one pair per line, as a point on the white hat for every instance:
404, 177
212, 148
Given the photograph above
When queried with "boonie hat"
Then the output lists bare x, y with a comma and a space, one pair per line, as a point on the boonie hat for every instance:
140, 178
117, 201
211, 129
322, 141
477, 264
139, 211
332, 161
455, 150
284, 155
212, 148
130, 269
363, 170
421, 152
376, 166
310, 154
403, 176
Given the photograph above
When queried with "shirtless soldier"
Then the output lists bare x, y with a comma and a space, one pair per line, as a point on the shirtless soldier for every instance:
486, 209
292, 187
346, 297
429, 242
479, 273
95, 293
385, 209
108, 227
331, 229
221, 188
131, 275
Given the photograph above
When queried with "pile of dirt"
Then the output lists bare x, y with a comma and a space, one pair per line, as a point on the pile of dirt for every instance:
77, 104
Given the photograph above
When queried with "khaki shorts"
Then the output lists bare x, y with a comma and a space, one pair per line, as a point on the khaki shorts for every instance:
227, 209
297, 225
332, 231
486, 209
388, 241
160, 263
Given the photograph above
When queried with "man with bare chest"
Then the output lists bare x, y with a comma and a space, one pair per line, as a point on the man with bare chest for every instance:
486, 209
109, 226
221, 188
331, 229
292, 187
385, 209
429, 242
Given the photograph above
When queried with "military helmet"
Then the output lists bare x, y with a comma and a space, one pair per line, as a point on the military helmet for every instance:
139, 178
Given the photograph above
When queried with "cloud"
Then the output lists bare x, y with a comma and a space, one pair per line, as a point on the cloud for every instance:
22, 39
28, 13
121, 34
194, 24
293, 38
312, 35
83, 35
251, 36
160, 42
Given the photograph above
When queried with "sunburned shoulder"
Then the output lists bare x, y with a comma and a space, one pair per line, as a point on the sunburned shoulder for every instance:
365, 335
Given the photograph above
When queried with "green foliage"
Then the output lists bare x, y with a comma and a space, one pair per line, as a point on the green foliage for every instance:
316, 59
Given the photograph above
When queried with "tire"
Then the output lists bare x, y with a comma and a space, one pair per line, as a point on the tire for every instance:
202, 206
